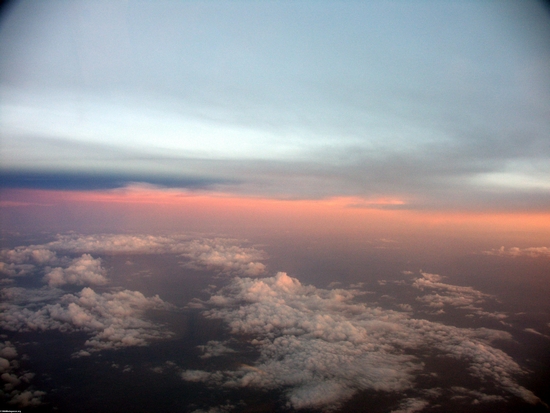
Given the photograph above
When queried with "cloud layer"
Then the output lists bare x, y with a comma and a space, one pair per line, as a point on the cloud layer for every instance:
113, 319
222, 255
323, 346
533, 252
319, 347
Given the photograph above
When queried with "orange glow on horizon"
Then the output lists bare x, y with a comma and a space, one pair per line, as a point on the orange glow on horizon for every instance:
339, 214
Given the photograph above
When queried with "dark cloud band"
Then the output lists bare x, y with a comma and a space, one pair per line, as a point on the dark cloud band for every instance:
77, 181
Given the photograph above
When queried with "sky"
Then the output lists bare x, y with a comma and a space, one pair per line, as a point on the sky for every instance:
224, 207
435, 105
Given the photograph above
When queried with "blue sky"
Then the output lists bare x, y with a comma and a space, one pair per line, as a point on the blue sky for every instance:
444, 104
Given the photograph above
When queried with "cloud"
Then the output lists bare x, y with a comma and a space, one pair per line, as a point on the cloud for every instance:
25, 260
220, 254
7, 350
113, 320
116, 243
83, 181
195, 375
466, 298
18, 295
411, 406
17, 389
225, 256
36, 254
16, 270
322, 346
81, 353
533, 331
533, 252
27, 398
215, 349
22, 261
82, 271
17, 204
479, 397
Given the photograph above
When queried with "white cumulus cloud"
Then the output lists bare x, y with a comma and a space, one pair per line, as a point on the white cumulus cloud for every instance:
323, 346
225, 256
113, 320
85, 270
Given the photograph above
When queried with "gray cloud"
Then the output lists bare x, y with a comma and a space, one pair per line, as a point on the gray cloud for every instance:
16, 270
442, 106
466, 173
7, 350
17, 387
411, 406
479, 397
24, 296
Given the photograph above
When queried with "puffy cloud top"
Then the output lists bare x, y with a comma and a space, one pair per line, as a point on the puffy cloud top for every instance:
323, 346
225, 256
85, 270
114, 320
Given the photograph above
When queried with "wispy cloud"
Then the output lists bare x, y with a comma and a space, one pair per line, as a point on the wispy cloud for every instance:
465, 298
411, 406
520, 252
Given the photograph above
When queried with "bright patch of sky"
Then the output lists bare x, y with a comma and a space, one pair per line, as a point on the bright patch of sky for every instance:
328, 83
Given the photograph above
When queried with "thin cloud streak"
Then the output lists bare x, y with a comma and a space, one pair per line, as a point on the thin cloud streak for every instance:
533, 252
